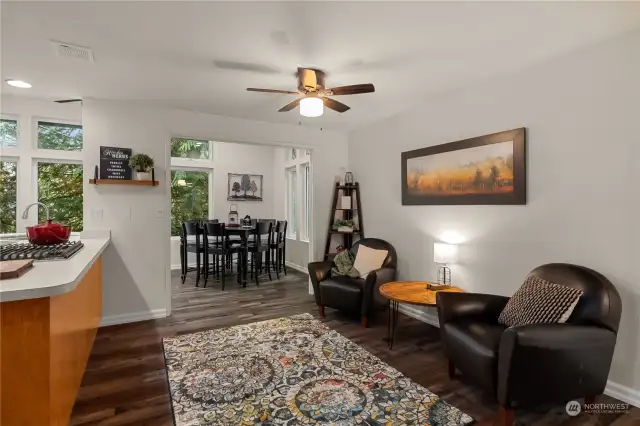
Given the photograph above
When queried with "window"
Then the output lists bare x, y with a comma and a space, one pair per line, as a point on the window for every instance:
8, 198
305, 169
189, 197
292, 201
190, 148
60, 188
8, 132
67, 137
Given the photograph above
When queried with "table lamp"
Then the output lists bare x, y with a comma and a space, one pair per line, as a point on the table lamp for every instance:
444, 254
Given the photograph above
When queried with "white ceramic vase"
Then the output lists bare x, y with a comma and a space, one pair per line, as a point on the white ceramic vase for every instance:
143, 175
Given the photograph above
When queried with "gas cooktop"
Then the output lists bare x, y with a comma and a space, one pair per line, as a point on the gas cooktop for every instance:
32, 251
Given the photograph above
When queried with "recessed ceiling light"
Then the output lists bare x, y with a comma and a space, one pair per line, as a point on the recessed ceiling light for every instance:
18, 83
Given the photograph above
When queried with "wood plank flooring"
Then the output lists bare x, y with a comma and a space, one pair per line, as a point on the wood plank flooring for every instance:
125, 382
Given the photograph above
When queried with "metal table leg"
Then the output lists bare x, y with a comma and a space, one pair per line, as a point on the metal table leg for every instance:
393, 322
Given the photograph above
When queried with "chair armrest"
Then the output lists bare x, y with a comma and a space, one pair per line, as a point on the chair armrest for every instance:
566, 361
455, 305
319, 271
371, 285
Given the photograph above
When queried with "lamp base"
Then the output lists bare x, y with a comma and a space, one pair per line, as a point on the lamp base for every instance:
444, 275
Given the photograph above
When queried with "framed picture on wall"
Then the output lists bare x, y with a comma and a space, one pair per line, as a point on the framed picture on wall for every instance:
488, 169
244, 187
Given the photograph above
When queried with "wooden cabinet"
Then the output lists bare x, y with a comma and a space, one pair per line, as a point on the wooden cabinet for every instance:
44, 347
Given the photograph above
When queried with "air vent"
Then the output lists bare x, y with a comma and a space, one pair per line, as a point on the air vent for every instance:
71, 51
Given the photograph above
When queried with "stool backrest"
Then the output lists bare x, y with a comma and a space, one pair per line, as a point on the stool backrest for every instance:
263, 228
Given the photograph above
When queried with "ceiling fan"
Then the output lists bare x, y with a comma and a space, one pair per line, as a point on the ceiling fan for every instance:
311, 84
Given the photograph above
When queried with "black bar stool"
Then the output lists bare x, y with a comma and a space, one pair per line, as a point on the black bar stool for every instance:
278, 246
216, 243
191, 228
262, 240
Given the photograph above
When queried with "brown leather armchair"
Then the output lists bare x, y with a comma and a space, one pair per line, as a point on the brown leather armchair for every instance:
353, 294
536, 363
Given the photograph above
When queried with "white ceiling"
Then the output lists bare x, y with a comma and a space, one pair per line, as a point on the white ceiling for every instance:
165, 52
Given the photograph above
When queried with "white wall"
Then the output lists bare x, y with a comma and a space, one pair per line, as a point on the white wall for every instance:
137, 283
28, 112
297, 250
582, 112
237, 158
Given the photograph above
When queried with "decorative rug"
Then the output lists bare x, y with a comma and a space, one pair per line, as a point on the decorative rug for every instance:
292, 371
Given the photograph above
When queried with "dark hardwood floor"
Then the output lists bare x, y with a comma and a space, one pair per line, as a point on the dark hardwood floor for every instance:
125, 382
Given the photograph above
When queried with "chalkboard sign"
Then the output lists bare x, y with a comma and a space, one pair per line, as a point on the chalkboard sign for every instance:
114, 163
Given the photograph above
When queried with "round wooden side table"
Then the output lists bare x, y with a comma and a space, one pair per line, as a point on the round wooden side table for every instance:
412, 293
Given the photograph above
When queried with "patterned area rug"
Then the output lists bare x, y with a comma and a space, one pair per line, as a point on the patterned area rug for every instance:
292, 371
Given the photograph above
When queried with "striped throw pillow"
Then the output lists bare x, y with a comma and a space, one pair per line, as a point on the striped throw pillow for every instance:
539, 301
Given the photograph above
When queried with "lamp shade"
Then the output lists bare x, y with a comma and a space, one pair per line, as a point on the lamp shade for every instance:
311, 107
445, 253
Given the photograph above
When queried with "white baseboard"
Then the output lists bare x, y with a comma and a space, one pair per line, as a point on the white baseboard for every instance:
297, 267
134, 317
623, 393
615, 390
178, 266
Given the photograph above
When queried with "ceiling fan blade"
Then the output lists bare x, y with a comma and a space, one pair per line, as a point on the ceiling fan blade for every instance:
335, 105
66, 101
354, 89
284, 92
290, 106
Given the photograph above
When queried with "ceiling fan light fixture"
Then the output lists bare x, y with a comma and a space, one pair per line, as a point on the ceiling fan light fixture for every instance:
311, 107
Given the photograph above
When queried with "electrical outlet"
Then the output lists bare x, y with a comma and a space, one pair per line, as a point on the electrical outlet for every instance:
98, 214
160, 213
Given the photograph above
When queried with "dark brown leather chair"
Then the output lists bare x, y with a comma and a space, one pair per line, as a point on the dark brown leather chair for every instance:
353, 294
536, 363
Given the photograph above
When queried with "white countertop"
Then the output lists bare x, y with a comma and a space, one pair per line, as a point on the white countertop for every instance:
53, 277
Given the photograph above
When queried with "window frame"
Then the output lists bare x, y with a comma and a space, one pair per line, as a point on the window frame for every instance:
193, 165
27, 154
305, 222
34, 172
16, 161
16, 118
207, 170
35, 121
292, 233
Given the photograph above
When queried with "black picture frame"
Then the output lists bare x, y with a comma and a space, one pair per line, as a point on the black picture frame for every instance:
518, 196
244, 194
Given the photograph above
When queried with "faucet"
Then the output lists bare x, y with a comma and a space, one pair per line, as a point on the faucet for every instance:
25, 214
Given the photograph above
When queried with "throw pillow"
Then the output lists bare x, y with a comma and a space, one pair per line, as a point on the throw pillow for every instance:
368, 259
539, 301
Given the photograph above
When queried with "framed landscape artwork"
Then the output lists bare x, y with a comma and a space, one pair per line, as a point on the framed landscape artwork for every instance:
487, 169
244, 187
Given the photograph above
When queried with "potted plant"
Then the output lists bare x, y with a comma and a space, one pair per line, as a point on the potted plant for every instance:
142, 164
344, 225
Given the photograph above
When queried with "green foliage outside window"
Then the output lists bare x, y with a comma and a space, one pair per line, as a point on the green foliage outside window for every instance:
8, 132
60, 188
189, 197
190, 148
8, 172
67, 137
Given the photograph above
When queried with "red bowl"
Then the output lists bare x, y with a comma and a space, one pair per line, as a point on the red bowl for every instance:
48, 233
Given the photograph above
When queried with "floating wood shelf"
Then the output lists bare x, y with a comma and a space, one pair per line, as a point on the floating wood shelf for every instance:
123, 182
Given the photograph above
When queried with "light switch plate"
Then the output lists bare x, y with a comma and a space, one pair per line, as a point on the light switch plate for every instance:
160, 213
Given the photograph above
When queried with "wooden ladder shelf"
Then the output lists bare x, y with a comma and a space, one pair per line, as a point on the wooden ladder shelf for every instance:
354, 214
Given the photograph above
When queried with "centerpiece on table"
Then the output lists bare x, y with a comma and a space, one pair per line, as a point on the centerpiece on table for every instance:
142, 164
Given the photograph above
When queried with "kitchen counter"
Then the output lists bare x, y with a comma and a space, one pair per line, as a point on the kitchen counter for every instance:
53, 277
48, 322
